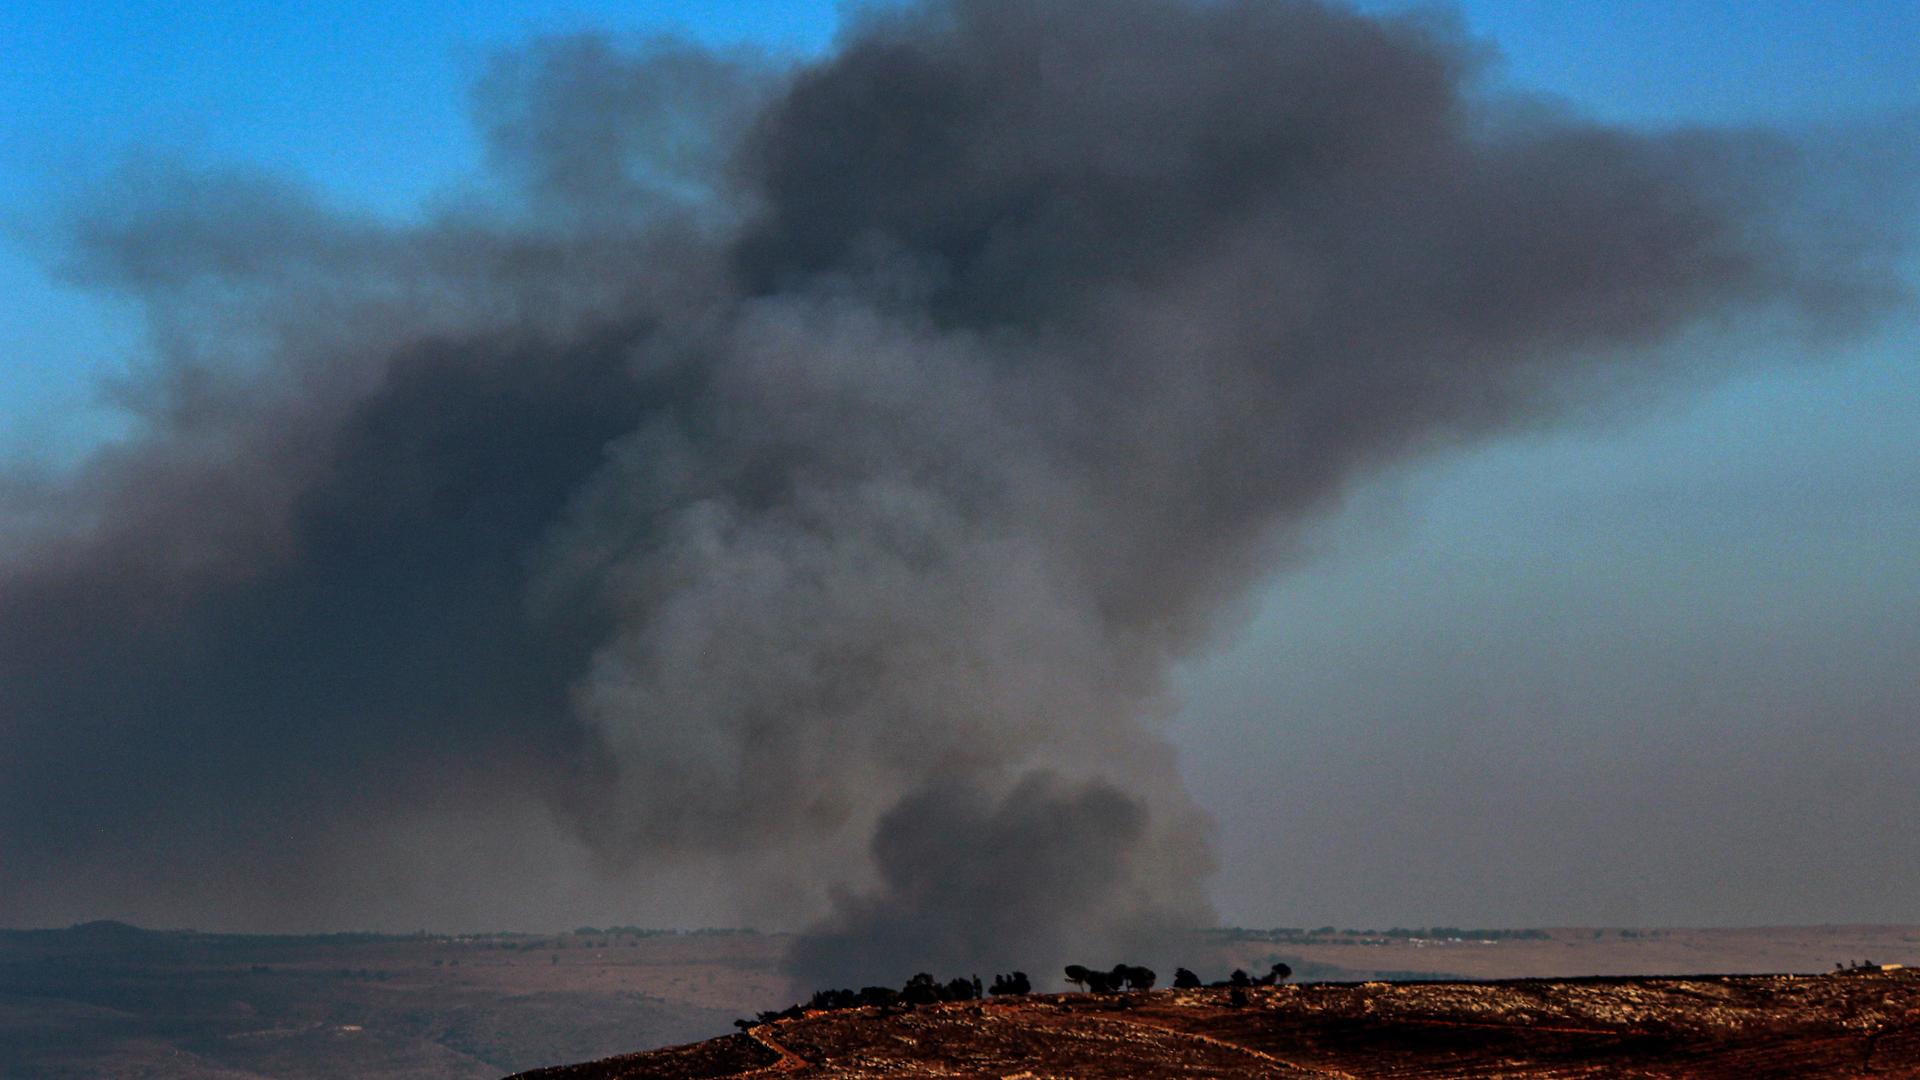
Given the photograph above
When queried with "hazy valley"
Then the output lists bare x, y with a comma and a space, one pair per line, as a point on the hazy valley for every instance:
110, 1000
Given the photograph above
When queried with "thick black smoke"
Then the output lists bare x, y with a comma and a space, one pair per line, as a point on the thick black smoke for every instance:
810, 474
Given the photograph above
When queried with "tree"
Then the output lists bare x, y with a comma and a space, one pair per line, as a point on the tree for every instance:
1184, 979
1279, 972
920, 990
1133, 977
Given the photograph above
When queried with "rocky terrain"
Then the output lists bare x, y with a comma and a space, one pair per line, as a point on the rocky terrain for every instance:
1844, 1024
107, 1001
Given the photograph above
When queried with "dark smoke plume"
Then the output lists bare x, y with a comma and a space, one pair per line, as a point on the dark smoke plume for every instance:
804, 479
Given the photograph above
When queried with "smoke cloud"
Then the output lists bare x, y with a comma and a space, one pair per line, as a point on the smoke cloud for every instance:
802, 478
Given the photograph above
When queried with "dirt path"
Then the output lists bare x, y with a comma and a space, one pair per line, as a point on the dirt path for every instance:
1719, 1027
788, 1062
1248, 1051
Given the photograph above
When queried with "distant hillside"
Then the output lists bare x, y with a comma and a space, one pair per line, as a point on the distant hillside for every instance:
1700, 1027
109, 1001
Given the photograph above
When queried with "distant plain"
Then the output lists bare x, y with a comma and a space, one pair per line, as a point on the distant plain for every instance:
109, 1000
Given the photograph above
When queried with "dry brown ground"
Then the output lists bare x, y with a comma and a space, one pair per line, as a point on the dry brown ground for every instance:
1732, 1026
128, 1003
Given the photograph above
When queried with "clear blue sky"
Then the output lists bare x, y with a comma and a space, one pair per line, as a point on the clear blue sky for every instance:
1772, 522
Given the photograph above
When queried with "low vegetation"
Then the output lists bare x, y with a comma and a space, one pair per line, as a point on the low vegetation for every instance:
1855, 1022
924, 989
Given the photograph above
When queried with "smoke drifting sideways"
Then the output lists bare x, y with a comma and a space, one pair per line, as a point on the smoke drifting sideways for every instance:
802, 477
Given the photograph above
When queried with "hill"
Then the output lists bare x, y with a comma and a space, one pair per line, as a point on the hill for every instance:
109, 1000
1846, 1024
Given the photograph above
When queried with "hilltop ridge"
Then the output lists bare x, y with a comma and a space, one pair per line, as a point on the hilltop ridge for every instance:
1843, 1024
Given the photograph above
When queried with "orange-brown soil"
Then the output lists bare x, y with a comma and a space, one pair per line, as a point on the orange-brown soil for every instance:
1704, 1026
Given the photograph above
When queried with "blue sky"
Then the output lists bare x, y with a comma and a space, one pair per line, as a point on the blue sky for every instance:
1770, 523
367, 103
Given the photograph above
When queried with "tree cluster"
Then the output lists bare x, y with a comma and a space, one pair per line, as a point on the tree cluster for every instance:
922, 989
1239, 980
1128, 977
1121, 977
1015, 983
